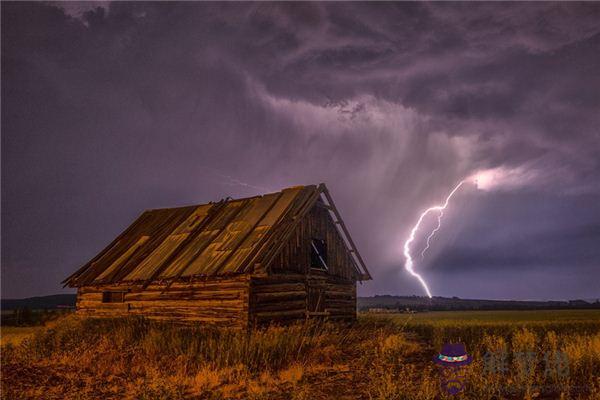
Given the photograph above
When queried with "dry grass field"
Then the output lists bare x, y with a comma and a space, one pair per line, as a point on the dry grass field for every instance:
379, 357
16, 334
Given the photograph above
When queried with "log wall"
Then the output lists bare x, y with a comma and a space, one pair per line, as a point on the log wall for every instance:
291, 290
288, 297
216, 301
338, 296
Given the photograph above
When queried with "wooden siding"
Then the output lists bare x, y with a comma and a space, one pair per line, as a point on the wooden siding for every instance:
338, 297
284, 298
277, 299
218, 301
295, 254
284, 290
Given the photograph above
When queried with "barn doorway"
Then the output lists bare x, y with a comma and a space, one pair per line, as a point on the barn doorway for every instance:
315, 303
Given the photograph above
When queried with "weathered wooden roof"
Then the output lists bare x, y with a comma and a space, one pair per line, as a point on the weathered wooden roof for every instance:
227, 237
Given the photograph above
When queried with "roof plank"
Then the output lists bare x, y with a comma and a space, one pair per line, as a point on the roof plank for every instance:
228, 237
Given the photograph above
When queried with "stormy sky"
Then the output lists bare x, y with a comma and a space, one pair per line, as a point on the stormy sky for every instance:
110, 109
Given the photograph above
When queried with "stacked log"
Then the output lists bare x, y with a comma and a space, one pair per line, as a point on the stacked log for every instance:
215, 301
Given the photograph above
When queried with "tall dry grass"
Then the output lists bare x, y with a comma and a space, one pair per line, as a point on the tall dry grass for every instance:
146, 359
525, 345
375, 358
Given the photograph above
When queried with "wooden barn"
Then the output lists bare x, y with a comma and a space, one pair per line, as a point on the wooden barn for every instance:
273, 258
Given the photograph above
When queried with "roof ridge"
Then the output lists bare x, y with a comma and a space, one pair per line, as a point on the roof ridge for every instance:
229, 199
232, 238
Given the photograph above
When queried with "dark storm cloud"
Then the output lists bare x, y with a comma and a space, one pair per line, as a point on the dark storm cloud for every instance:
112, 108
567, 241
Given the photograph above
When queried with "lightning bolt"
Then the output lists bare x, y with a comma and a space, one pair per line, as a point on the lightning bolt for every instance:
236, 182
408, 265
231, 181
433, 232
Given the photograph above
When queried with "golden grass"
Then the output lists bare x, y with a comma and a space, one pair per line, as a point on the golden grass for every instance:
15, 334
379, 357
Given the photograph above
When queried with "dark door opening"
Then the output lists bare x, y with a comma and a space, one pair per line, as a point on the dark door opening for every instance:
316, 302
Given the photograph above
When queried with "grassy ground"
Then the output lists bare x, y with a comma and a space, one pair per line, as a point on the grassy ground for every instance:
502, 316
379, 357
15, 334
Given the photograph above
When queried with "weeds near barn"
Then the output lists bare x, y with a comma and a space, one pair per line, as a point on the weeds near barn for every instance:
379, 357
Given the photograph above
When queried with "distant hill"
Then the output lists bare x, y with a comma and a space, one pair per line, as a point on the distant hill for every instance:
417, 303
386, 302
42, 302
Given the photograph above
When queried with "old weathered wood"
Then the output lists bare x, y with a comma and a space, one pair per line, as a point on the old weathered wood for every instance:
366, 273
237, 263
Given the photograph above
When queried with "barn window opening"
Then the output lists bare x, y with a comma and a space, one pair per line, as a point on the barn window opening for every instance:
113, 297
318, 254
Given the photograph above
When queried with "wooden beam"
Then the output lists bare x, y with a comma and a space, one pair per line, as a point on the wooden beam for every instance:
201, 249
89, 268
214, 210
265, 241
246, 235
366, 273
288, 229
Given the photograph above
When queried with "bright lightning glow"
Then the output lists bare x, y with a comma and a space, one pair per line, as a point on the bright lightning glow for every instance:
408, 265
504, 178
433, 232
